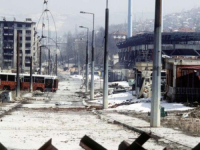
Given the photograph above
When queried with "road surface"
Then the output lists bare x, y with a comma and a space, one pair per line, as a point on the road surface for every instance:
36, 121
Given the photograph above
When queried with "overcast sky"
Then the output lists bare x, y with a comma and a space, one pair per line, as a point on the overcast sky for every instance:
67, 16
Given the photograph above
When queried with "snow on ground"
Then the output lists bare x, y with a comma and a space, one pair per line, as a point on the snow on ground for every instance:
115, 98
77, 76
146, 107
27, 95
30, 129
167, 133
122, 83
141, 105
95, 77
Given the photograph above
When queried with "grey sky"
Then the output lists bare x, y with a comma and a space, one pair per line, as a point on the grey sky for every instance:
67, 16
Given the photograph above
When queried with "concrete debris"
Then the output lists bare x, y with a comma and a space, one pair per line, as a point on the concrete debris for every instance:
185, 115
6, 97
63, 103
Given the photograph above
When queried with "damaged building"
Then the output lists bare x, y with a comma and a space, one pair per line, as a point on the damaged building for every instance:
136, 56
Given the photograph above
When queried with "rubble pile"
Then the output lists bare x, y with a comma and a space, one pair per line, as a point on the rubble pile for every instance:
195, 113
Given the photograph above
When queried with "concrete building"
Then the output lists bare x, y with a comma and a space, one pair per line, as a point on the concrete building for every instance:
8, 43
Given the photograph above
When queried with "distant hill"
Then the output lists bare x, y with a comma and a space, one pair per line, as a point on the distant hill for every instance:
187, 20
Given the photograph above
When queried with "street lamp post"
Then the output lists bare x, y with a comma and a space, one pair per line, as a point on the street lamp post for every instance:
92, 70
87, 57
105, 85
40, 59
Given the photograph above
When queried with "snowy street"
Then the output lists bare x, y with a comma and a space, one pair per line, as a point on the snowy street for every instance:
62, 117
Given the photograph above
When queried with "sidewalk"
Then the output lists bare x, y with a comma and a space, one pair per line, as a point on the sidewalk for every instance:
7, 107
169, 137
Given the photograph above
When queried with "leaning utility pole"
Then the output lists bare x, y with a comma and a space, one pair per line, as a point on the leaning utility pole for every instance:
40, 59
31, 74
18, 64
155, 102
105, 82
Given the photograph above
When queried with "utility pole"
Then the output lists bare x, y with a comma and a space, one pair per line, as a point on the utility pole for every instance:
105, 84
129, 18
67, 56
68, 61
87, 58
155, 102
56, 68
40, 59
49, 61
78, 61
51, 67
87, 62
92, 71
22, 68
31, 74
18, 64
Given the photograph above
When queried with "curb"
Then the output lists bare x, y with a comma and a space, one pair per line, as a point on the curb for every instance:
152, 135
9, 109
103, 117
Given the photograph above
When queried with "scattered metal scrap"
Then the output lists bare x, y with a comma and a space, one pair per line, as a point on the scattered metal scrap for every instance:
48, 146
89, 144
2, 147
197, 147
137, 144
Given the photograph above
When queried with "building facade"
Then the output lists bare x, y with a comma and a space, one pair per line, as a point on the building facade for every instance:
8, 43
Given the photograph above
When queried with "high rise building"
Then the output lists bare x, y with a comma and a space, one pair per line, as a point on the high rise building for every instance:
8, 43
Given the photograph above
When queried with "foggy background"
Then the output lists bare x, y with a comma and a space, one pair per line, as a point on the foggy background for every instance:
67, 12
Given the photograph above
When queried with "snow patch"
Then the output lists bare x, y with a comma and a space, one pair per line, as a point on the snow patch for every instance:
121, 83
146, 107
77, 77
116, 98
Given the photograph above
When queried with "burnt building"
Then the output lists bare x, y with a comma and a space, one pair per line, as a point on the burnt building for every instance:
136, 55
183, 79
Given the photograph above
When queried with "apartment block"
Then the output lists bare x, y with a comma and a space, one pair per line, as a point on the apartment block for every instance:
8, 43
